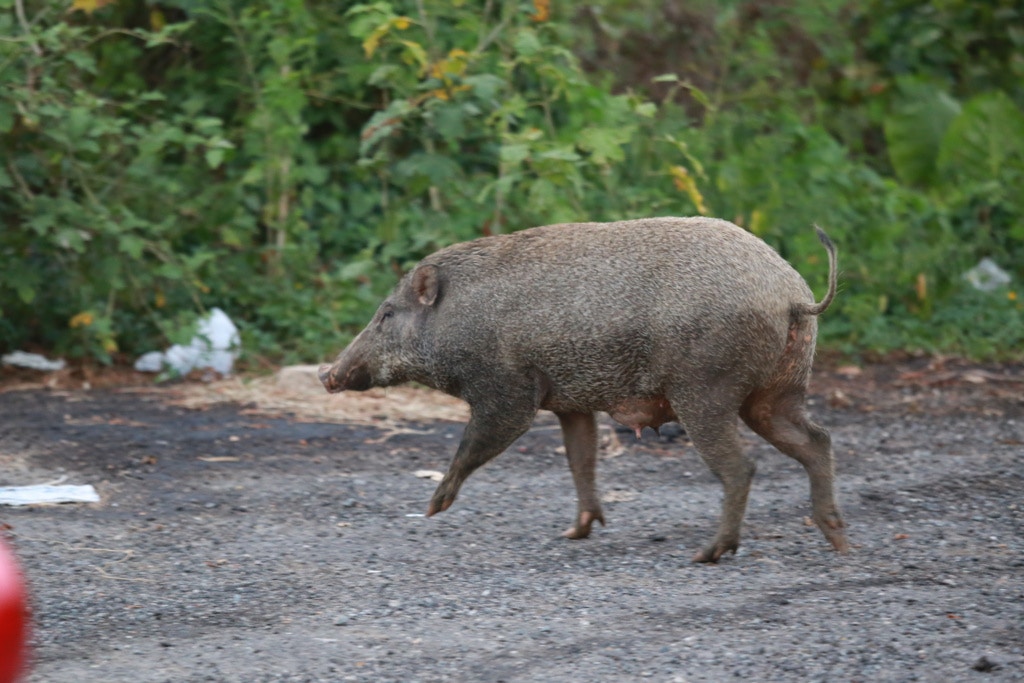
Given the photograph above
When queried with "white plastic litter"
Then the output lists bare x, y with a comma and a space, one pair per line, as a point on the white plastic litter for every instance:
987, 276
32, 360
47, 493
150, 362
214, 347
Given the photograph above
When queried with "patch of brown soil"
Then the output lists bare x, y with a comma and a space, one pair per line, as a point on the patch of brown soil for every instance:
295, 391
934, 385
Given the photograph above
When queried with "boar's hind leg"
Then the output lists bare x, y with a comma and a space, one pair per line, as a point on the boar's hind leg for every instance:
490, 431
782, 421
714, 431
580, 433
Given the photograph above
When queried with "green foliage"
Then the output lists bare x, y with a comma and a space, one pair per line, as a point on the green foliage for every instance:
89, 235
984, 142
914, 130
965, 46
287, 161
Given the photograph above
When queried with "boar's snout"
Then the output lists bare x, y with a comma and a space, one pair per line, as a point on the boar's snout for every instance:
326, 378
337, 377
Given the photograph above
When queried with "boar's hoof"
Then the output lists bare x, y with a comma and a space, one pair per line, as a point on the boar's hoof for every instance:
440, 502
714, 552
839, 542
581, 529
832, 526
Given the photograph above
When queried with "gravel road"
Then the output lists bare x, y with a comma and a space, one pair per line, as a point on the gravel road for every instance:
235, 544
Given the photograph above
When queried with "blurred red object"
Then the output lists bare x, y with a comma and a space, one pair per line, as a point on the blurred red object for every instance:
13, 618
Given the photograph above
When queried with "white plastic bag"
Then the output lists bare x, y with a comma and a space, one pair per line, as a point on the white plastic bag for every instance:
987, 276
214, 347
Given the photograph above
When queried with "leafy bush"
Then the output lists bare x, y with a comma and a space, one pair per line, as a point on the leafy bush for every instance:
98, 193
287, 161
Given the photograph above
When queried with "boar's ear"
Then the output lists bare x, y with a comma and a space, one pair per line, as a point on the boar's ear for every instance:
425, 284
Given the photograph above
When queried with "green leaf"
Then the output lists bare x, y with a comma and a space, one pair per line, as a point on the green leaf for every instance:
502, 185
437, 169
415, 54
171, 271
26, 293
232, 236
214, 157
80, 122
914, 131
83, 60
560, 154
542, 195
513, 155
987, 137
526, 43
354, 270
42, 223
208, 124
700, 96
449, 121
383, 74
604, 144
485, 86
315, 174
6, 117
646, 109
362, 19
131, 245
926, 37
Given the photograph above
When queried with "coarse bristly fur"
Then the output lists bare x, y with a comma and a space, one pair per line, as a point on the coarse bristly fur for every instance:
651, 320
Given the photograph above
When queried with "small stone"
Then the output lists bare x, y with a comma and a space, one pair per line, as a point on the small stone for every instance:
985, 665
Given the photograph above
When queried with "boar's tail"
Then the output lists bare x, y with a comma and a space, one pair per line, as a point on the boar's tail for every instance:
801, 310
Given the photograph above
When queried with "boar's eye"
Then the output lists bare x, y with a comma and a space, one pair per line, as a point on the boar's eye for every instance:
387, 314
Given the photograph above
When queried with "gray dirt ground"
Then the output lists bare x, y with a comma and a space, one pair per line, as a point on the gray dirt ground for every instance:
236, 545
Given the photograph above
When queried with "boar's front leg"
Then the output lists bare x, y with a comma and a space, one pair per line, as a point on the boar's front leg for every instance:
492, 428
580, 433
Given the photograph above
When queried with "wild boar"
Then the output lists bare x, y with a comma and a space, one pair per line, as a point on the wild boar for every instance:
650, 320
